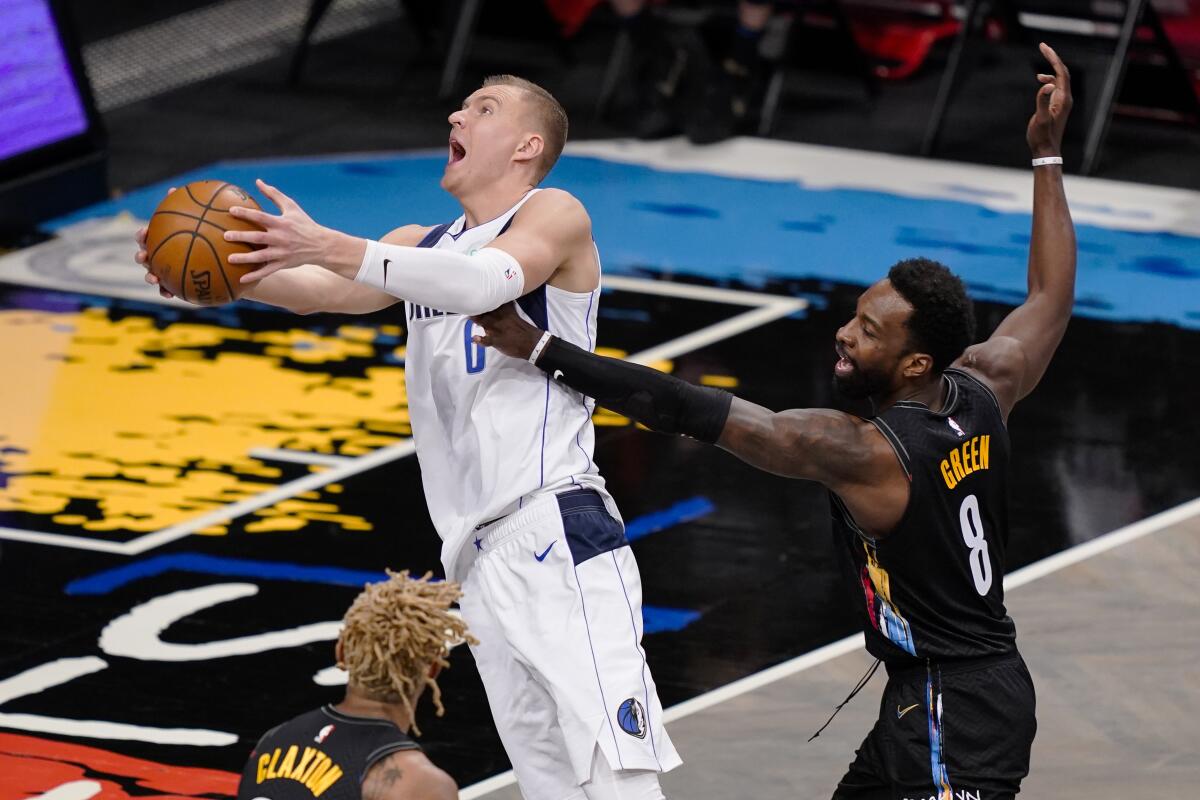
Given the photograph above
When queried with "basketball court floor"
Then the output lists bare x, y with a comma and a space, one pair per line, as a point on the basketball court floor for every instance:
189, 498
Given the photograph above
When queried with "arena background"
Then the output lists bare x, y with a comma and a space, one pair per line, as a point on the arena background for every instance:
189, 498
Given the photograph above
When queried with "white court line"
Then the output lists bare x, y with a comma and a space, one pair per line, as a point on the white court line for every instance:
1117, 205
288, 490
75, 790
688, 291
1027, 574
62, 540
771, 307
719, 331
298, 456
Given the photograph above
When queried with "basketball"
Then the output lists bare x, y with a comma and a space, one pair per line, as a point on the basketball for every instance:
186, 242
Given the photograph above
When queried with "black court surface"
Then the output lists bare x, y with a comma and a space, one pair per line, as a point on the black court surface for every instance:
123, 647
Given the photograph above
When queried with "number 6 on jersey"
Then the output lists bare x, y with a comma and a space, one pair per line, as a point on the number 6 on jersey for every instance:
476, 353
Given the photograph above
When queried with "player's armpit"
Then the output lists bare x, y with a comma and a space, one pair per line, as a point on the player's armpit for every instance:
1001, 364
551, 238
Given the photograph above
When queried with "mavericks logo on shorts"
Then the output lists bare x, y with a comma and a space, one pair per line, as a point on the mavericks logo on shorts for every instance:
632, 718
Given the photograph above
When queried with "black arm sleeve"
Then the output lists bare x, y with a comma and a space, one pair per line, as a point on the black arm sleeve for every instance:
661, 402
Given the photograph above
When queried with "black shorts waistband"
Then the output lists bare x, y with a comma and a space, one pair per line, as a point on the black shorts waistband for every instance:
574, 499
947, 666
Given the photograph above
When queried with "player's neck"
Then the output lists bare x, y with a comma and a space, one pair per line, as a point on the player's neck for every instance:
931, 394
355, 704
492, 201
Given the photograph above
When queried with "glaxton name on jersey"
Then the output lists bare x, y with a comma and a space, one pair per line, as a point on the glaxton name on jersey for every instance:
312, 768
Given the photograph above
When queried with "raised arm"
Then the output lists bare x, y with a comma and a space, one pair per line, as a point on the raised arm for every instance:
1014, 359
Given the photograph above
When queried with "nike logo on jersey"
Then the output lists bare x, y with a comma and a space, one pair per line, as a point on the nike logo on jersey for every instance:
545, 552
557, 374
901, 712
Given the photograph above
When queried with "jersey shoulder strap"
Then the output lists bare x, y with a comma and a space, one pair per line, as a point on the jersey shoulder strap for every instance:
434, 235
973, 384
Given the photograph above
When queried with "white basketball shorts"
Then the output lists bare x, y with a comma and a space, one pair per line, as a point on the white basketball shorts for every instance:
555, 599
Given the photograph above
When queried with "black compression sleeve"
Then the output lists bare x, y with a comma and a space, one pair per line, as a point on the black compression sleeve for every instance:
661, 402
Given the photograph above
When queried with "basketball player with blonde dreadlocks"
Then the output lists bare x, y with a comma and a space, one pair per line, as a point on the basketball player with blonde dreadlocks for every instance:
395, 640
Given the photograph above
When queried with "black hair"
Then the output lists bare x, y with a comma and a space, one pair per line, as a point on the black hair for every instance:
942, 323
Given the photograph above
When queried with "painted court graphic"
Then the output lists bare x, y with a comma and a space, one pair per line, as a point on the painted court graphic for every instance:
189, 498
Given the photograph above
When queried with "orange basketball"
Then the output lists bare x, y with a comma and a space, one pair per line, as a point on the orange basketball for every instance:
186, 242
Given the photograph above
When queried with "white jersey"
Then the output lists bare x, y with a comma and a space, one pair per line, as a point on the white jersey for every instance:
494, 432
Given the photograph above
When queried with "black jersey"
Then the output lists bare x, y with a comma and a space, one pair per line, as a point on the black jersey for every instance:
323, 753
934, 587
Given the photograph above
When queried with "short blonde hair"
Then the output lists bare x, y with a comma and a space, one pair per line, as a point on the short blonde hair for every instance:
395, 631
549, 114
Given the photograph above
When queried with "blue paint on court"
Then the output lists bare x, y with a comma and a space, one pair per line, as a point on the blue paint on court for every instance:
684, 511
749, 231
655, 619
113, 579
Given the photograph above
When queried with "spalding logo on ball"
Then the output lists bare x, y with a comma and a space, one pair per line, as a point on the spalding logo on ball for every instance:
186, 242
632, 718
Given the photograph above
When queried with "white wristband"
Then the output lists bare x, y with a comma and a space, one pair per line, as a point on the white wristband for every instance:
1042, 162
539, 347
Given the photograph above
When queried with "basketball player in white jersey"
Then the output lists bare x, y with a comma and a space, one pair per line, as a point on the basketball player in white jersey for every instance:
550, 585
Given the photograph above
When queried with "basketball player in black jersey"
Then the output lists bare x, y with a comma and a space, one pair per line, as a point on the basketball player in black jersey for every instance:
918, 491
393, 643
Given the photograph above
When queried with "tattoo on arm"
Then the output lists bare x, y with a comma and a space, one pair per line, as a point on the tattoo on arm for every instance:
380, 781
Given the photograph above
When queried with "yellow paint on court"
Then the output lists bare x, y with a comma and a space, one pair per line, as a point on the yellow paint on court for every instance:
125, 425
146, 426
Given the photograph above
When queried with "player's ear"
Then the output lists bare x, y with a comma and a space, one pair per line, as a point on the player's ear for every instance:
435, 669
339, 653
917, 364
531, 147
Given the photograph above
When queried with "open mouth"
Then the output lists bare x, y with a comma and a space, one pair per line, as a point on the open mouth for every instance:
457, 151
844, 365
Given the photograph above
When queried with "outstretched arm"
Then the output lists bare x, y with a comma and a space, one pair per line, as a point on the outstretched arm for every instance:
843, 452
547, 234
1014, 359
307, 289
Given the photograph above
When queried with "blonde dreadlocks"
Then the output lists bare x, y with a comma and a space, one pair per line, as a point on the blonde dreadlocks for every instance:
395, 631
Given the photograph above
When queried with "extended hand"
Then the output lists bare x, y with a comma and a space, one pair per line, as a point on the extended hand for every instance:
504, 330
142, 257
288, 239
1046, 126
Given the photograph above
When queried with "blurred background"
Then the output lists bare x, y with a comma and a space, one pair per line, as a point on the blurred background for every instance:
144, 90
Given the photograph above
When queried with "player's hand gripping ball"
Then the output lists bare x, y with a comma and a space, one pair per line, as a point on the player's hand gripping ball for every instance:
186, 247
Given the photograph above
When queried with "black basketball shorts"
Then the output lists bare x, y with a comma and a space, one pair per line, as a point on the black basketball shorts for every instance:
950, 731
